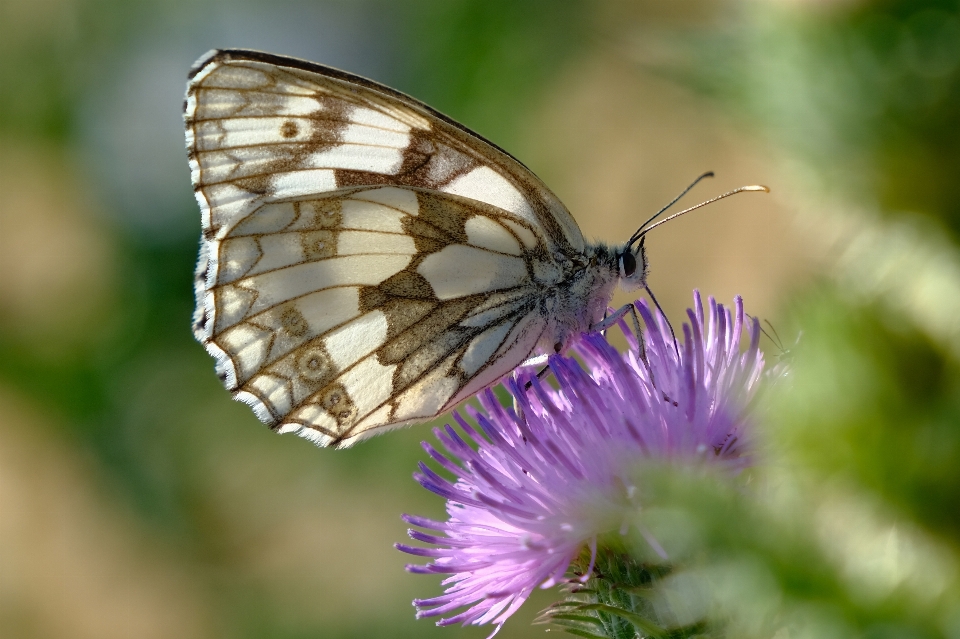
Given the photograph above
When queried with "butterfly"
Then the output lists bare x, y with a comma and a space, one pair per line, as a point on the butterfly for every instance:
366, 262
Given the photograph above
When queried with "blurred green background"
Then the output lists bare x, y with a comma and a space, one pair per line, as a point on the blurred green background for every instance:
137, 500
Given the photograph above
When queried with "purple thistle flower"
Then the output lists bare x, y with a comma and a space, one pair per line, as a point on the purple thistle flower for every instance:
531, 492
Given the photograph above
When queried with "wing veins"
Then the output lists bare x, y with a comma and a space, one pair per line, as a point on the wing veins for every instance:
247, 318
346, 434
266, 364
337, 230
336, 439
382, 109
203, 184
315, 93
450, 404
490, 308
236, 57
280, 268
293, 144
310, 117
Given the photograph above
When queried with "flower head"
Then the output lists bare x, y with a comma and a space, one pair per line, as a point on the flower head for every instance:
535, 485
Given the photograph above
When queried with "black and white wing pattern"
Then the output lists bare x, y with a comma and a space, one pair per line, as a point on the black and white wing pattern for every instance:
365, 262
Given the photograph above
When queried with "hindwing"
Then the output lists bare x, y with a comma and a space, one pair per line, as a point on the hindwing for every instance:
336, 316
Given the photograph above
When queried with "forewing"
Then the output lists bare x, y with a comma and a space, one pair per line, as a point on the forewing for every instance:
263, 127
371, 307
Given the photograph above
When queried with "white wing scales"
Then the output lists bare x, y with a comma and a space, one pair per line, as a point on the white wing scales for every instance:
365, 261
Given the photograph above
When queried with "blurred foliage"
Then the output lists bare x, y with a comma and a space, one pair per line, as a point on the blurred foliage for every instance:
875, 404
867, 92
485, 61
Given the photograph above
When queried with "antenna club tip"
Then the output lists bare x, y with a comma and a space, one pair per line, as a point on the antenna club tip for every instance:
757, 187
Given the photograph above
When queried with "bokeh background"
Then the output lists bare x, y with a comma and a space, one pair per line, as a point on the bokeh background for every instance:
137, 500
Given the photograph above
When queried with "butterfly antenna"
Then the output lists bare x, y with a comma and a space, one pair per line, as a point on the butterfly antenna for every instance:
777, 335
659, 308
636, 236
775, 338
756, 319
742, 189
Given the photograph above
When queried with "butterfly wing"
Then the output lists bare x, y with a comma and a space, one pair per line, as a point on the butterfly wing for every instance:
366, 262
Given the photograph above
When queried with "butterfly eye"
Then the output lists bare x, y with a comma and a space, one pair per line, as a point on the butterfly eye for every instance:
628, 264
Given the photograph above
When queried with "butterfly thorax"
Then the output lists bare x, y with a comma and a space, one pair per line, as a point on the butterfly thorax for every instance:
579, 301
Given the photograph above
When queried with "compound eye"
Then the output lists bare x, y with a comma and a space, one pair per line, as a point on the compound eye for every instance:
628, 264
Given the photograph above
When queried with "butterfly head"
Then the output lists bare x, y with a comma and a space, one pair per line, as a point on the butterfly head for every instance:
632, 264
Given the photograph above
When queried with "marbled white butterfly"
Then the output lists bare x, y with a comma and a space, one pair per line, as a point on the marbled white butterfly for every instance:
366, 262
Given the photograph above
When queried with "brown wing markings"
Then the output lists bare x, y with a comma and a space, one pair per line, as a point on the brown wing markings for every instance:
309, 116
301, 263
250, 296
417, 171
527, 252
331, 83
512, 317
264, 403
256, 237
446, 214
459, 340
239, 55
430, 232
294, 149
239, 380
326, 134
454, 399
447, 163
444, 314
309, 370
245, 101
442, 322
424, 244
439, 222
428, 162
294, 146
370, 300
287, 315
250, 318
203, 183
409, 285
333, 217
221, 247
441, 218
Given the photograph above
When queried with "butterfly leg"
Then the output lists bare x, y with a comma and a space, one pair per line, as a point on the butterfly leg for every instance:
616, 316
516, 405
540, 375
632, 310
